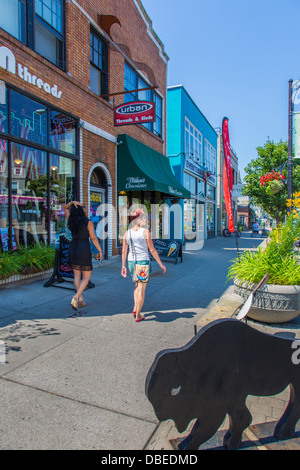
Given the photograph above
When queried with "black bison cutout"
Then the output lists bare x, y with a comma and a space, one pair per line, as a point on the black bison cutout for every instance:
213, 375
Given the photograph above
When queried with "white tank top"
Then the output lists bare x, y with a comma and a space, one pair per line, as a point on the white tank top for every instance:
139, 251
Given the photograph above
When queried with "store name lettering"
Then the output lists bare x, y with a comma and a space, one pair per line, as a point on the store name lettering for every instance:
174, 191
8, 62
136, 183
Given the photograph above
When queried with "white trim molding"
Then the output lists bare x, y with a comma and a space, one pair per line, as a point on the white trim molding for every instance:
109, 203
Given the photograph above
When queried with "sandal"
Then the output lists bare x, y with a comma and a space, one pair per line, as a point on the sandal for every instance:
81, 302
134, 313
140, 319
74, 303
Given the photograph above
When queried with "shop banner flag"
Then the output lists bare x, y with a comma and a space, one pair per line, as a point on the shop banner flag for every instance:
227, 174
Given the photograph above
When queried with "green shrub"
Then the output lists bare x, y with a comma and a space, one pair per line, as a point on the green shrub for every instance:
26, 260
277, 259
10, 264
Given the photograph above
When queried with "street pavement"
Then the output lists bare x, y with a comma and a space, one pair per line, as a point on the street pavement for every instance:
76, 380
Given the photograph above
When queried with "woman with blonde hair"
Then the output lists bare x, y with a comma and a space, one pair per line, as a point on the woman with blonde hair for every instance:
138, 240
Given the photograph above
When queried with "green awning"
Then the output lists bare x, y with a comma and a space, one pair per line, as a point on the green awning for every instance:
140, 168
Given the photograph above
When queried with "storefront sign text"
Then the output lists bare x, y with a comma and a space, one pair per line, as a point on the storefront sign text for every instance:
135, 183
8, 62
135, 112
193, 167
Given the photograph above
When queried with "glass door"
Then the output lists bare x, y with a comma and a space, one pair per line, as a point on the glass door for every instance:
97, 197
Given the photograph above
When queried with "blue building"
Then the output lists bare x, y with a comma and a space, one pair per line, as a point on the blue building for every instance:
192, 150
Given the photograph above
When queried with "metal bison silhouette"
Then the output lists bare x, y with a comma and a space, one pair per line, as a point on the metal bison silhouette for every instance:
212, 376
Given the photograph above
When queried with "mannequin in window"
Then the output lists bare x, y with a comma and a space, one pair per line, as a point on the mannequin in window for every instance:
30, 215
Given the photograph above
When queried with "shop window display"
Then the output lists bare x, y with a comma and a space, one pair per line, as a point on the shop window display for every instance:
4, 208
29, 212
62, 191
29, 187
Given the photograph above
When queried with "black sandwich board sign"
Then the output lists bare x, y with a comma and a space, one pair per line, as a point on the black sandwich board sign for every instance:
62, 270
168, 249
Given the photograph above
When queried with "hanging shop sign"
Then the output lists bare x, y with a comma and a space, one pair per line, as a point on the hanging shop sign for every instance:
134, 112
8, 62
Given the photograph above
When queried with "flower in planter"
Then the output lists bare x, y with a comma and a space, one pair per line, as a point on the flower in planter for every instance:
274, 187
274, 182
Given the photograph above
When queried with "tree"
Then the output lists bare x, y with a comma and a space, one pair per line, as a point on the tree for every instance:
266, 179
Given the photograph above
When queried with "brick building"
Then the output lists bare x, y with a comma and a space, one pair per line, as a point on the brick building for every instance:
62, 66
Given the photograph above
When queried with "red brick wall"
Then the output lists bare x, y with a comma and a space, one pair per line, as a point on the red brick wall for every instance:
76, 97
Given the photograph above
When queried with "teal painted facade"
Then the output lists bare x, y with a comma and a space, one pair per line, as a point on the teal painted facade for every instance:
192, 150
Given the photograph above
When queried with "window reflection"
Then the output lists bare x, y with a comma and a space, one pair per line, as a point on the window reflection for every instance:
29, 193
28, 118
63, 132
62, 191
4, 196
26, 206
3, 107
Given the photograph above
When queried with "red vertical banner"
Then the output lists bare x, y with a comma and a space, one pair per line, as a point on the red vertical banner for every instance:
227, 174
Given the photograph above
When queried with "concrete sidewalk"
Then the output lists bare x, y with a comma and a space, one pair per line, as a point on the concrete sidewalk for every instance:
77, 380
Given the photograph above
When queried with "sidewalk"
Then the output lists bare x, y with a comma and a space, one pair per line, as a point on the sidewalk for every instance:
77, 380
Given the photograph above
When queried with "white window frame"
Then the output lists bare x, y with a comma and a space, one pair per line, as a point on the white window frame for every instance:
193, 142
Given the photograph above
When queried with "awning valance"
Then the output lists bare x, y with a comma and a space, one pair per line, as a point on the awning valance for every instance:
140, 168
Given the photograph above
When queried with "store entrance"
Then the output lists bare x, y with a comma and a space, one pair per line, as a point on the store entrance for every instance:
97, 197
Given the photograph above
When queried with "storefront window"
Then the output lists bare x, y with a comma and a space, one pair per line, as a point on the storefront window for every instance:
4, 196
25, 196
123, 215
210, 219
3, 107
62, 190
201, 188
28, 118
189, 182
63, 132
189, 219
29, 189
210, 192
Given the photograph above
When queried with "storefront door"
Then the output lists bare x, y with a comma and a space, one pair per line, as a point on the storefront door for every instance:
200, 220
97, 197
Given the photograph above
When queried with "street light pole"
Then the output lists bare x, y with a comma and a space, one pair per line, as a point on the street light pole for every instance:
290, 142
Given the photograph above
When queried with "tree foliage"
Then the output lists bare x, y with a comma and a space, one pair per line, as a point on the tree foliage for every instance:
271, 157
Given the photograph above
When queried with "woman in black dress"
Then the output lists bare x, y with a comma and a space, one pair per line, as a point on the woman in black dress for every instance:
80, 256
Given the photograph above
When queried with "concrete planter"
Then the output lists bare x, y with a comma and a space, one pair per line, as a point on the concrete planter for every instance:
18, 278
272, 304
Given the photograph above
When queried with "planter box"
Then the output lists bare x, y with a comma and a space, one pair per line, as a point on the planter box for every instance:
271, 304
24, 277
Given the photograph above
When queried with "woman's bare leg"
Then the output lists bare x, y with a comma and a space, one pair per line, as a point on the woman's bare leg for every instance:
139, 298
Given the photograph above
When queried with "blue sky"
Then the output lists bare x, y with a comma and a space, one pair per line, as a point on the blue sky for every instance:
235, 59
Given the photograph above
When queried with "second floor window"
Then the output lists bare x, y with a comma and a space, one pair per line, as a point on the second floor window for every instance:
133, 82
193, 142
39, 24
98, 64
209, 157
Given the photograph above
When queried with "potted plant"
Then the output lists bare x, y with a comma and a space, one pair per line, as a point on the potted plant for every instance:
279, 300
